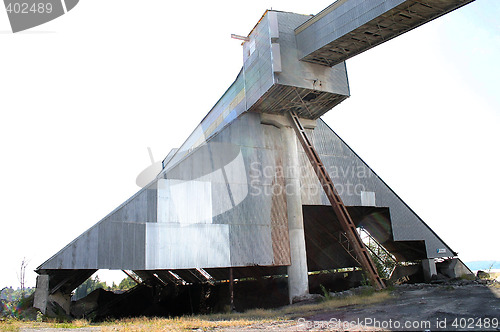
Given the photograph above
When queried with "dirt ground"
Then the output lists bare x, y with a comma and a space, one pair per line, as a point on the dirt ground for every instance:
462, 305
424, 307
420, 307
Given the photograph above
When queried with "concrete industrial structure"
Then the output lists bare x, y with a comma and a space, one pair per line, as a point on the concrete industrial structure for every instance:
240, 198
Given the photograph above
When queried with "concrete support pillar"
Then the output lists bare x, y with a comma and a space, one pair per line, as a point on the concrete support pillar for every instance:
298, 284
46, 302
429, 266
41, 293
63, 300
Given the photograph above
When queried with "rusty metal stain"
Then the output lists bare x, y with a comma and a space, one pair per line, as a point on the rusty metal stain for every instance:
279, 216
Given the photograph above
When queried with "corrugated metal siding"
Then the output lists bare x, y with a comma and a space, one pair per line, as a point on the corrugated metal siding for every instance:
225, 210
81, 252
229, 107
258, 64
255, 78
174, 246
251, 240
255, 88
236, 200
142, 208
309, 89
279, 222
121, 246
245, 221
241, 198
91, 250
348, 170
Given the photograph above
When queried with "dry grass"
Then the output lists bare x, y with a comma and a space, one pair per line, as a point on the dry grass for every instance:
309, 309
207, 322
494, 275
172, 324
12, 324
16, 325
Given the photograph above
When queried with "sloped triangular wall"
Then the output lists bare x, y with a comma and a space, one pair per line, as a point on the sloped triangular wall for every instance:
225, 205
359, 185
207, 211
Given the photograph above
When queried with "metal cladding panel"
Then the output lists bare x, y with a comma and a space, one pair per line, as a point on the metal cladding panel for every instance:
349, 27
85, 250
175, 202
351, 177
91, 249
228, 108
246, 131
253, 81
258, 62
256, 88
251, 245
171, 246
108, 245
134, 240
309, 89
121, 246
279, 211
81, 253
235, 172
302, 74
230, 197
141, 208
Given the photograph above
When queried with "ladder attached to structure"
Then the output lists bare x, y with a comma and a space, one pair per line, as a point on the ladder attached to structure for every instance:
357, 245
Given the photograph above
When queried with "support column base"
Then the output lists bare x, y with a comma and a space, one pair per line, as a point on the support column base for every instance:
429, 266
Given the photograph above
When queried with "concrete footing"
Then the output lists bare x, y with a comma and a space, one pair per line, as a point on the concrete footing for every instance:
41, 293
429, 266
46, 302
454, 268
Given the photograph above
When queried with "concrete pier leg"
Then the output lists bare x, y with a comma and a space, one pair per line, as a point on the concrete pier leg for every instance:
298, 284
41, 293
45, 301
429, 266
63, 300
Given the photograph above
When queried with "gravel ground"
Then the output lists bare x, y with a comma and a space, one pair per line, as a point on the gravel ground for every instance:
459, 306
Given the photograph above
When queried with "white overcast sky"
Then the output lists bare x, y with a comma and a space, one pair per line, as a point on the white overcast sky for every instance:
83, 96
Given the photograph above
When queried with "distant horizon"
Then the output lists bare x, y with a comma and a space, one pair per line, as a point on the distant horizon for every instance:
483, 265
